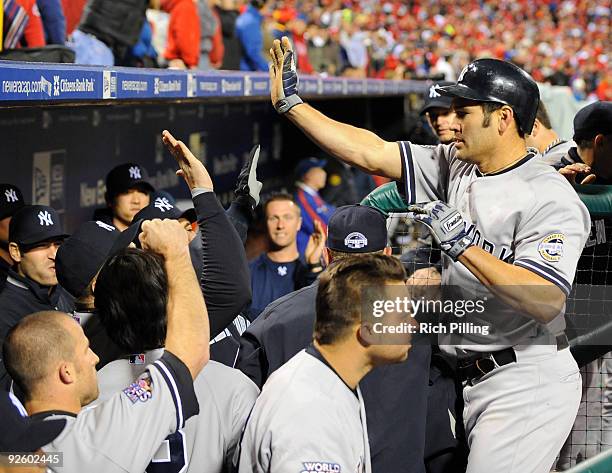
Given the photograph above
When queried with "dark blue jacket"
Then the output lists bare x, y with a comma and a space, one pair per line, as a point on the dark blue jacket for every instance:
53, 19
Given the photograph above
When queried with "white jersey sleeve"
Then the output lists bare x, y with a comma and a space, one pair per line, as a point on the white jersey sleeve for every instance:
123, 433
550, 240
425, 172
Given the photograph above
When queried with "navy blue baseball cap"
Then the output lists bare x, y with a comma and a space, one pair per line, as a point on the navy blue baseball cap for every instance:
21, 433
162, 207
435, 100
33, 224
357, 229
11, 200
82, 255
592, 120
125, 177
307, 164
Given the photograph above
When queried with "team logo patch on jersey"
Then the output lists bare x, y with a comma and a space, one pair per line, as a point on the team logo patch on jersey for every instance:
320, 466
355, 241
141, 390
551, 246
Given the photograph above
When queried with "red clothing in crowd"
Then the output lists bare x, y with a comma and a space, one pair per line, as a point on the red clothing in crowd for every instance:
301, 50
34, 33
183, 31
73, 9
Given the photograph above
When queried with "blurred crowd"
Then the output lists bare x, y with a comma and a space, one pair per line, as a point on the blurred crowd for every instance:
560, 42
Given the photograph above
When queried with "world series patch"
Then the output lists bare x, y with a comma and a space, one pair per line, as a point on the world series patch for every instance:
141, 390
551, 247
321, 467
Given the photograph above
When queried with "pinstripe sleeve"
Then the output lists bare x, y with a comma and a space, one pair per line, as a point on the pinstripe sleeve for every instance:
425, 172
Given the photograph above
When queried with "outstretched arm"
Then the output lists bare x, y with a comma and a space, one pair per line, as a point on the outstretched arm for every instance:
225, 276
355, 146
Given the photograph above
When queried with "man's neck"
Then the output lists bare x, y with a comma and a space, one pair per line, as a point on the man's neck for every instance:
513, 152
4, 254
284, 255
53, 402
346, 361
119, 224
549, 137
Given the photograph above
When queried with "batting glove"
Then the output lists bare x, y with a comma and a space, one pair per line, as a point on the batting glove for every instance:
446, 224
288, 96
247, 185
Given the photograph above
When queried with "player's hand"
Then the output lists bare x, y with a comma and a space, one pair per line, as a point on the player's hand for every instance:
166, 237
446, 224
284, 79
191, 168
571, 171
425, 277
315, 245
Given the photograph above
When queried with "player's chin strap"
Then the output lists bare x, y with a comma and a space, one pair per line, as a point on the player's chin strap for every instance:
446, 224
288, 96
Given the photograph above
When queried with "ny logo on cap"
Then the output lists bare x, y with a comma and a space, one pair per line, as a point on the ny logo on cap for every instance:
162, 204
105, 226
433, 91
135, 172
11, 195
355, 241
44, 218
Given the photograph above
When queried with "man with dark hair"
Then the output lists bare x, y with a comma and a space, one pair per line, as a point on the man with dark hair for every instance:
546, 140
280, 270
590, 162
11, 200
511, 230
127, 192
224, 277
310, 415
136, 321
35, 234
48, 356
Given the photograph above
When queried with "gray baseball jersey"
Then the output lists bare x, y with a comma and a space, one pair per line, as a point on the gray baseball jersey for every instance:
306, 420
209, 440
527, 215
557, 151
123, 433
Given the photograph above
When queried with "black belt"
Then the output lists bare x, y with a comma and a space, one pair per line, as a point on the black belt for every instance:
474, 367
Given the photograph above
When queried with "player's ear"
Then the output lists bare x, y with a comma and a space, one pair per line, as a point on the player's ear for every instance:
536, 128
387, 251
506, 119
14, 252
66, 372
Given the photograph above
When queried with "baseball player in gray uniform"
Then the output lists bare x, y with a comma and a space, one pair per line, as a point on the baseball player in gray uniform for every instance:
49, 357
310, 415
509, 226
546, 140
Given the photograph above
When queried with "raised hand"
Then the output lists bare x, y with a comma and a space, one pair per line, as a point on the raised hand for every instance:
284, 79
191, 168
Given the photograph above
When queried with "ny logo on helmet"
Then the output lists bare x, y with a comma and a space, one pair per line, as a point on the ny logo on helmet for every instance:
135, 172
11, 195
162, 204
44, 218
433, 91
470, 68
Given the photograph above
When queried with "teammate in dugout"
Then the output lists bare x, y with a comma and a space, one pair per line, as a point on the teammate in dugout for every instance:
509, 226
310, 416
49, 357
